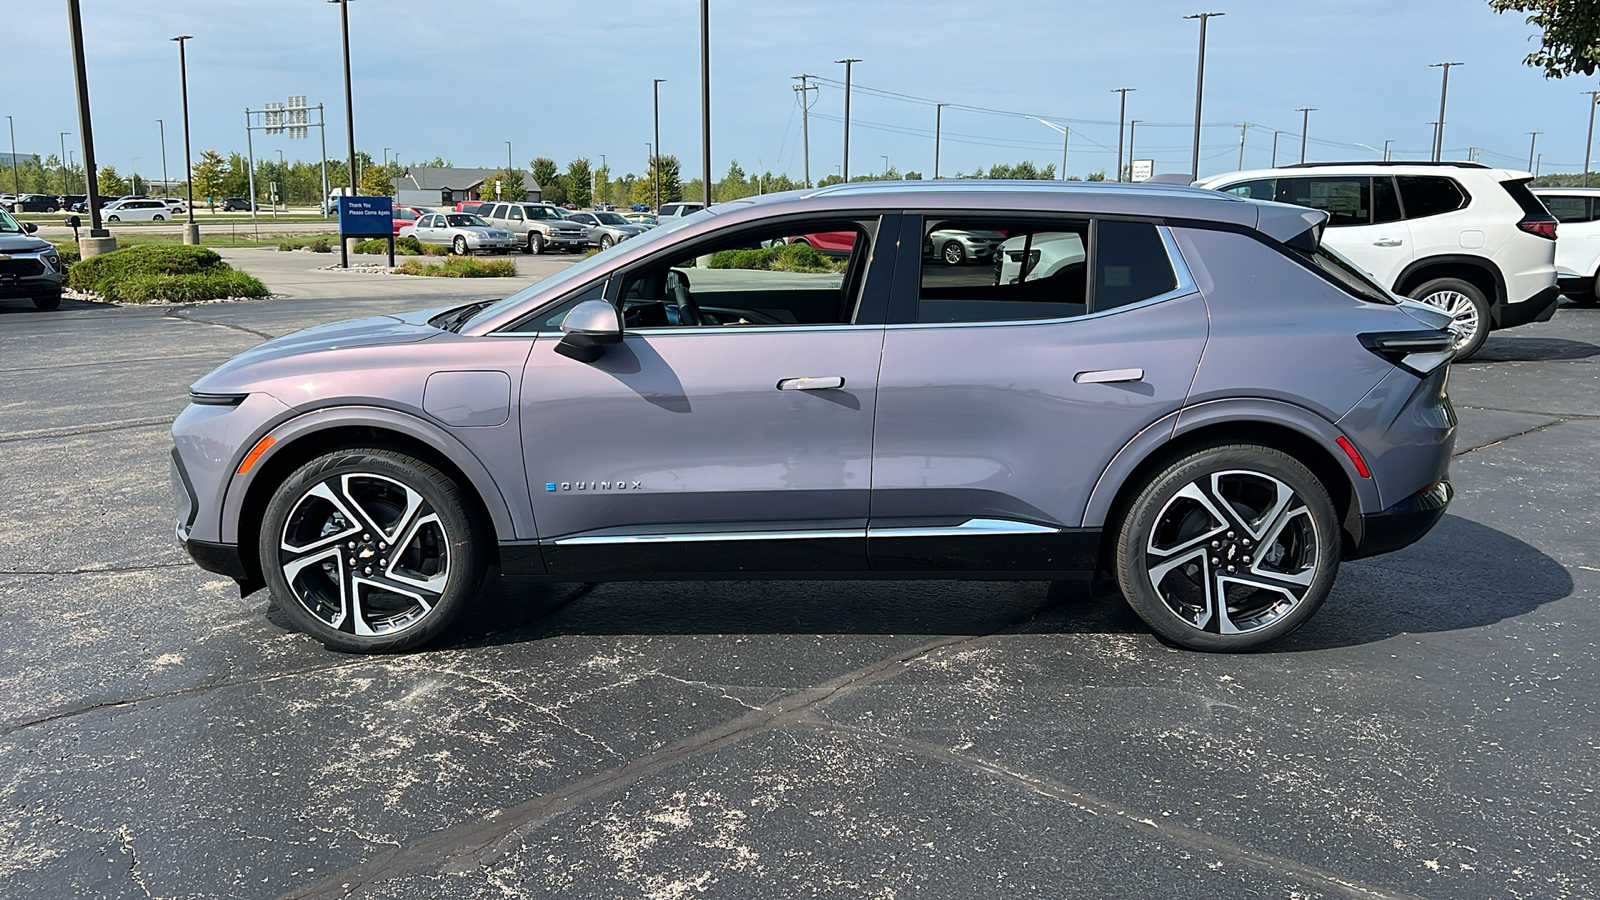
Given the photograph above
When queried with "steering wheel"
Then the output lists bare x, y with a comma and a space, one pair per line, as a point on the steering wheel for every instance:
688, 310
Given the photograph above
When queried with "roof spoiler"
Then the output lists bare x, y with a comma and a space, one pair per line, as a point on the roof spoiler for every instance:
1293, 226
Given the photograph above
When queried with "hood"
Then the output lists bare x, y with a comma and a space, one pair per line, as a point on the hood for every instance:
629, 229
287, 354
22, 243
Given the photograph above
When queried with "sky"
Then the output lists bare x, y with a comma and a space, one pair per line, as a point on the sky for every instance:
563, 80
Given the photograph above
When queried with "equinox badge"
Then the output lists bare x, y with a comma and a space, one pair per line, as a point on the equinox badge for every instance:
620, 485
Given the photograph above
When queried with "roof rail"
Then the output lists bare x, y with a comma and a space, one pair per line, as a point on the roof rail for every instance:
1004, 184
1388, 162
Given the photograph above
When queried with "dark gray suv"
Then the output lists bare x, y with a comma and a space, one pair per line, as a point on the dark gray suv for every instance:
1176, 387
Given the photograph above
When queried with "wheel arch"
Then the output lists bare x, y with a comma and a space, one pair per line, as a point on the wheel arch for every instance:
304, 438
1300, 433
1476, 270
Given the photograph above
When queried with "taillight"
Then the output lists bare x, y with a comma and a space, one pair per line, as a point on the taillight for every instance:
1418, 352
1545, 228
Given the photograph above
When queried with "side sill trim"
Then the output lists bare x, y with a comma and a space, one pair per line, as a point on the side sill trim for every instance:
968, 528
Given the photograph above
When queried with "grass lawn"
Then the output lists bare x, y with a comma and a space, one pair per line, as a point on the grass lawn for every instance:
207, 239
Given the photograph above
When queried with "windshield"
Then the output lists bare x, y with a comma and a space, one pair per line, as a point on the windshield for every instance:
610, 218
542, 212
8, 225
578, 272
460, 220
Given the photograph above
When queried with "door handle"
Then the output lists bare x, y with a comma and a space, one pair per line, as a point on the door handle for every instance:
1109, 376
1387, 242
812, 383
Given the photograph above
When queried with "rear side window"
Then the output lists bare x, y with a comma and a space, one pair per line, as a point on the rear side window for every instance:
1346, 199
1567, 209
1430, 195
1385, 200
1130, 265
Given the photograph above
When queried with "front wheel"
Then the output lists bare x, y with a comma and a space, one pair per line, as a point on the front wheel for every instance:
606, 242
112, 219
535, 243
1465, 304
370, 550
952, 254
1229, 548
460, 245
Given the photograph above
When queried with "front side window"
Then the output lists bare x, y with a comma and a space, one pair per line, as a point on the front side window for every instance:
462, 220
750, 278
1567, 209
1346, 199
1430, 195
516, 214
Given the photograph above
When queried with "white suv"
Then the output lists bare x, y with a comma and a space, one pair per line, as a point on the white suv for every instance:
1468, 239
1578, 249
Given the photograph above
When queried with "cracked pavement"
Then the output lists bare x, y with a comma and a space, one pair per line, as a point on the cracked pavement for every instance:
1431, 733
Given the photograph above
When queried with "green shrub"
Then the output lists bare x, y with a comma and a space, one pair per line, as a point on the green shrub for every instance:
213, 285
403, 246
801, 258
69, 255
157, 273
315, 243
459, 267
741, 259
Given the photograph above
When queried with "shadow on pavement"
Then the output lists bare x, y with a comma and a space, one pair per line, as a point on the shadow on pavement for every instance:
25, 306
1530, 349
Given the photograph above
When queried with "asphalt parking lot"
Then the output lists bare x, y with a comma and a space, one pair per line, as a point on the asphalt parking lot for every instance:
1433, 732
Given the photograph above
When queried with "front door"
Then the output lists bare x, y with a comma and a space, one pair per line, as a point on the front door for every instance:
729, 431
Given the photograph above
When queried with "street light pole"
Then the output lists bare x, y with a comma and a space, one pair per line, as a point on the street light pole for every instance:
1444, 91
508, 160
349, 102
1199, 88
1132, 124
1533, 141
1122, 117
1066, 135
16, 181
844, 169
1275, 134
99, 240
166, 187
1305, 124
191, 231
655, 153
1588, 145
705, 101
1386, 144
63, 160
938, 127
885, 165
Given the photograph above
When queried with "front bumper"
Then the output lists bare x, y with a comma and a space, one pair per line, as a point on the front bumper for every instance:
1402, 524
567, 242
1538, 308
28, 276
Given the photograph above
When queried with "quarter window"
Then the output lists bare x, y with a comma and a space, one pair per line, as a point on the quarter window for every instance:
1429, 195
1130, 265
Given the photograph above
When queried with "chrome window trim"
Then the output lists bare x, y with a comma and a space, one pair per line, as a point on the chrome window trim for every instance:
969, 527
1180, 270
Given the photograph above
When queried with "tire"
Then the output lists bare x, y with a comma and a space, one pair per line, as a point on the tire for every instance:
325, 527
606, 242
460, 246
160, 218
47, 302
1467, 306
952, 254
1194, 531
50, 209
112, 219
535, 243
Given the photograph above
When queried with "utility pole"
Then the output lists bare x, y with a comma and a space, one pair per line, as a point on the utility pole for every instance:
1537, 163
1305, 125
885, 165
655, 153
1243, 127
1275, 134
938, 125
845, 167
1472, 154
1444, 91
1533, 141
1132, 124
1588, 145
1122, 118
802, 90
705, 101
1199, 88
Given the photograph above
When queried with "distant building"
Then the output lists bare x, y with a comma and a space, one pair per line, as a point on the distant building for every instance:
427, 186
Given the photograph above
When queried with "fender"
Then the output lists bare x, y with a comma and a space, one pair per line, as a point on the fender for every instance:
289, 430
1460, 259
1214, 412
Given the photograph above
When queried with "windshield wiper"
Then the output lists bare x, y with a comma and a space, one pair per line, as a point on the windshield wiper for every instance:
455, 318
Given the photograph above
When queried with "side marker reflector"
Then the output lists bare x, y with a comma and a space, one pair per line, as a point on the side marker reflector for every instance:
1355, 457
266, 443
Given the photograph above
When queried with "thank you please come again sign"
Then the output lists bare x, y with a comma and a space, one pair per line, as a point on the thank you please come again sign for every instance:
366, 216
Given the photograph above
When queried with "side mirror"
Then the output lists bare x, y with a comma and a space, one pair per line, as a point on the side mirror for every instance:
29, 227
589, 326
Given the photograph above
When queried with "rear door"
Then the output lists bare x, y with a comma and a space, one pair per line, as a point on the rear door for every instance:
1006, 390
1364, 220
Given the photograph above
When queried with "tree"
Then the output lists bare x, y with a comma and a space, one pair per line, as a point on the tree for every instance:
671, 186
602, 184
577, 183
235, 179
548, 177
111, 184
511, 187
209, 173
377, 181
1570, 42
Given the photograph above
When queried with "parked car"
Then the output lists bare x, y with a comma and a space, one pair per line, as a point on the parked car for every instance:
540, 226
403, 216
1470, 240
1047, 256
73, 202
955, 246
1218, 427
237, 204
604, 206
640, 207
34, 203
463, 233
30, 267
1578, 246
136, 211
471, 206
175, 204
836, 244
569, 206
648, 220
606, 228
677, 210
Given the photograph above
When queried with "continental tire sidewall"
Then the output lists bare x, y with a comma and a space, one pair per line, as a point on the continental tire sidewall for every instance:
467, 560
1132, 573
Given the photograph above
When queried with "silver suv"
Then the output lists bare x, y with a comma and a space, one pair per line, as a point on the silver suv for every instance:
1205, 404
538, 226
30, 267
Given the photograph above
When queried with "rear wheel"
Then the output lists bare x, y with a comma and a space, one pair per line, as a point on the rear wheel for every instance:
160, 218
1465, 304
370, 550
1228, 548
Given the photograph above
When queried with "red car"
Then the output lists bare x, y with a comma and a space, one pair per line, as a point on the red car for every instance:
405, 215
471, 206
828, 243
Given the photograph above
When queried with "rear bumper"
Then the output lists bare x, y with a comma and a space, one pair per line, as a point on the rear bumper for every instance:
1578, 287
1538, 308
1402, 524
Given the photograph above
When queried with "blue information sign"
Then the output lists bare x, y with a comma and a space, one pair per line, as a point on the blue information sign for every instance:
366, 216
